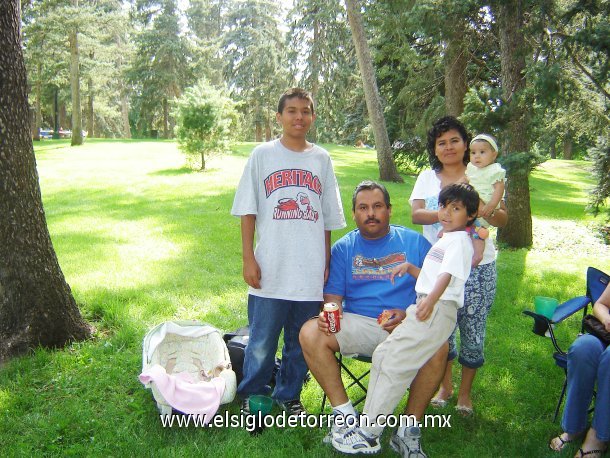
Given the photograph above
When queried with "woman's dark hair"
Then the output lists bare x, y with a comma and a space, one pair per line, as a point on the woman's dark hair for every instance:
369, 185
442, 125
464, 193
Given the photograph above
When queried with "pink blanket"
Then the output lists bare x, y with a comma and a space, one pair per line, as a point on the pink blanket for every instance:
185, 394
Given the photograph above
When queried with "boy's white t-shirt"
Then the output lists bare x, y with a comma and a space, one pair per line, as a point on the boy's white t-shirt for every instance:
295, 198
450, 254
427, 188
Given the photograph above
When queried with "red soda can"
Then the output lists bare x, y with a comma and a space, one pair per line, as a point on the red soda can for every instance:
331, 313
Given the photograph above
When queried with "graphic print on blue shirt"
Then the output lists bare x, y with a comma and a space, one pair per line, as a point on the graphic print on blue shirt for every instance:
376, 268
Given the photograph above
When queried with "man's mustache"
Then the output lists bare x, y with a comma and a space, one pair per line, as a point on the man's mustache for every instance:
372, 220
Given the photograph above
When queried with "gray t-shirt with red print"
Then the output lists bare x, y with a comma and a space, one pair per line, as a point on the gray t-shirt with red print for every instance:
295, 198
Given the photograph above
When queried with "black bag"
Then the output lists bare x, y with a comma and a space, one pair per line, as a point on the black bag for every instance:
595, 327
237, 341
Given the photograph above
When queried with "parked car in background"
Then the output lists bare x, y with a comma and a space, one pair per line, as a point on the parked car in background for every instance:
63, 133
46, 133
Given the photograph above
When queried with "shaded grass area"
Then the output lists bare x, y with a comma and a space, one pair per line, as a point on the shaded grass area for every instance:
143, 239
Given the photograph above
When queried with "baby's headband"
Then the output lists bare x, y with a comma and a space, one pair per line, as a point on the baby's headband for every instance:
486, 138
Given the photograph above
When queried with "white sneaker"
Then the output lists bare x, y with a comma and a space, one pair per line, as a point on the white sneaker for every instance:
338, 431
354, 441
409, 445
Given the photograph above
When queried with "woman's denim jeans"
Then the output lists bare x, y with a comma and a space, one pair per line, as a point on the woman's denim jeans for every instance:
588, 364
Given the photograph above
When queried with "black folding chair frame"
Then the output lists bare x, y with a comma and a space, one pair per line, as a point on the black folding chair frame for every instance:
355, 380
596, 284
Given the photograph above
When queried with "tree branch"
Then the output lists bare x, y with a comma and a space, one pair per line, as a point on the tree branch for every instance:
580, 66
586, 72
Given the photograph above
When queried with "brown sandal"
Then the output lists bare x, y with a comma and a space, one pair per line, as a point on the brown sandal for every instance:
593, 453
562, 445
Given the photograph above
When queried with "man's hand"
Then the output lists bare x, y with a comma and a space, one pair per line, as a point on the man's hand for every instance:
424, 310
252, 273
397, 318
323, 324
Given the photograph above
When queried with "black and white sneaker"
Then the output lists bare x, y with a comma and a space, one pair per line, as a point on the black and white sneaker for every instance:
245, 406
338, 429
355, 441
292, 408
409, 445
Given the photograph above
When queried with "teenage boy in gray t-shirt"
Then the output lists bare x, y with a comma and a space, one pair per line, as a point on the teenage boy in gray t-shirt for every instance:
288, 196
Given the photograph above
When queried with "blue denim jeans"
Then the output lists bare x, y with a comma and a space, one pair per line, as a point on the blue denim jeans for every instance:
267, 317
588, 363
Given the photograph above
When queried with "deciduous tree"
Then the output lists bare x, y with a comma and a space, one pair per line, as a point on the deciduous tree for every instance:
387, 167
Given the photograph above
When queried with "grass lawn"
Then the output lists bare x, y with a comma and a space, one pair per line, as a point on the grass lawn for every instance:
142, 239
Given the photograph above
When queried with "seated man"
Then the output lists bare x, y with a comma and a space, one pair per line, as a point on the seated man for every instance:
361, 265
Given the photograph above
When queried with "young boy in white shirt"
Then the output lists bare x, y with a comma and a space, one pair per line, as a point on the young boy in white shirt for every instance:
428, 324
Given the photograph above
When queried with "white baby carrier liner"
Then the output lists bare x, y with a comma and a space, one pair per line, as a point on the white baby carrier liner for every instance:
188, 346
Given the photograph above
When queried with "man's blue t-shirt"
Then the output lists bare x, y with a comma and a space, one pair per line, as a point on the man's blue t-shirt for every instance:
360, 270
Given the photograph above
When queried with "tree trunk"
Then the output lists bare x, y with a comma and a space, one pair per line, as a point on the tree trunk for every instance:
202, 160
518, 232
125, 115
63, 116
90, 113
36, 304
123, 90
553, 148
38, 104
165, 118
258, 122
77, 122
34, 132
268, 126
387, 167
55, 114
315, 70
90, 96
568, 146
455, 73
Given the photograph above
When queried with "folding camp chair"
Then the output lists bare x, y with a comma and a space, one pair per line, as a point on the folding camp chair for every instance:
596, 284
355, 380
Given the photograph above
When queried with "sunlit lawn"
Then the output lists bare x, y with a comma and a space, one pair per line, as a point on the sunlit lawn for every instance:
142, 239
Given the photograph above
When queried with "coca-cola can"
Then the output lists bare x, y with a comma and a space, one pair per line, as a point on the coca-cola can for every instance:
331, 313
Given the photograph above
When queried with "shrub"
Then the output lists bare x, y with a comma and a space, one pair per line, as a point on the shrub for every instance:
204, 120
